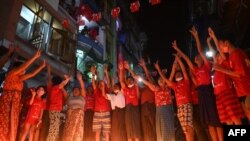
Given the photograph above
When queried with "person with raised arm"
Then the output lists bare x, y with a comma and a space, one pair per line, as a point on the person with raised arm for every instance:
238, 70
102, 116
11, 96
55, 101
147, 106
130, 90
202, 74
117, 101
228, 106
165, 129
34, 116
181, 87
73, 129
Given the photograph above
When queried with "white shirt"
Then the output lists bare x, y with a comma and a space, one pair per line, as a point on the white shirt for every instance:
116, 100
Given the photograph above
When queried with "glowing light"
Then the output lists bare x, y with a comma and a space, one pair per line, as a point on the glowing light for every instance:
209, 54
139, 79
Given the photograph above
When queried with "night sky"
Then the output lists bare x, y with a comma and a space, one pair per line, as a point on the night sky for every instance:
163, 23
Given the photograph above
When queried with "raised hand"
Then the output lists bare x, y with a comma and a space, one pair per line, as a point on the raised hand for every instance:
126, 65
38, 53
105, 68
33, 91
79, 75
66, 77
174, 45
142, 63
193, 31
211, 32
209, 39
93, 69
156, 64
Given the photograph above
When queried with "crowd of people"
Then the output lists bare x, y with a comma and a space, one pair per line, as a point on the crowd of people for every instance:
201, 96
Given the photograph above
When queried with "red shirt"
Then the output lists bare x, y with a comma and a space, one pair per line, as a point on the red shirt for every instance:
238, 64
162, 97
36, 108
101, 103
90, 102
131, 96
221, 81
55, 98
202, 74
182, 92
147, 95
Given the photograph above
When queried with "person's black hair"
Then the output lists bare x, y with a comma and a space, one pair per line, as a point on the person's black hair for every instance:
56, 80
118, 84
45, 91
226, 36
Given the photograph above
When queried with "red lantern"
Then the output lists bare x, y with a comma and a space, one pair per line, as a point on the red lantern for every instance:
86, 11
154, 2
115, 12
65, 23
97, 17
135, 6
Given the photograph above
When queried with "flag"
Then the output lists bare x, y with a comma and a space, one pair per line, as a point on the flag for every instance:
135, 6
115, 12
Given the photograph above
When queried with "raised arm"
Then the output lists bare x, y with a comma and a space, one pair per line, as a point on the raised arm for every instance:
33, 92
169, 83
151, 86
107, 76
126, 66
145, 69
211, 49
121, 75
216, 42
226, 71
184, 56
183, 68
93, 71
192, 78
25, 65
173, 70
194, 32
81, 82
64, 82
6, 56
35, 72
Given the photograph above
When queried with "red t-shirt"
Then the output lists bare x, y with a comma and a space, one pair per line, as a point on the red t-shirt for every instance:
131, 96
90, 102
36, 108
182, 92
238, 64
202, 74
101, 103
162, 97
221, 81
55, 98
147, 95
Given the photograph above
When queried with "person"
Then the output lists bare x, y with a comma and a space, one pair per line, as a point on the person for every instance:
228, 106
132, 114
73, 129
10, 98
202, 73
102, 117
34, 116
55, 102
89, 135
147, 107
182, 92
117, 100
238, 70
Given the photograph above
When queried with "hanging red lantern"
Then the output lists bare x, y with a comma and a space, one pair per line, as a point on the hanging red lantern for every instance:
154, 2
65, 23
135, 6
86, 11
96, 16
115, 12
